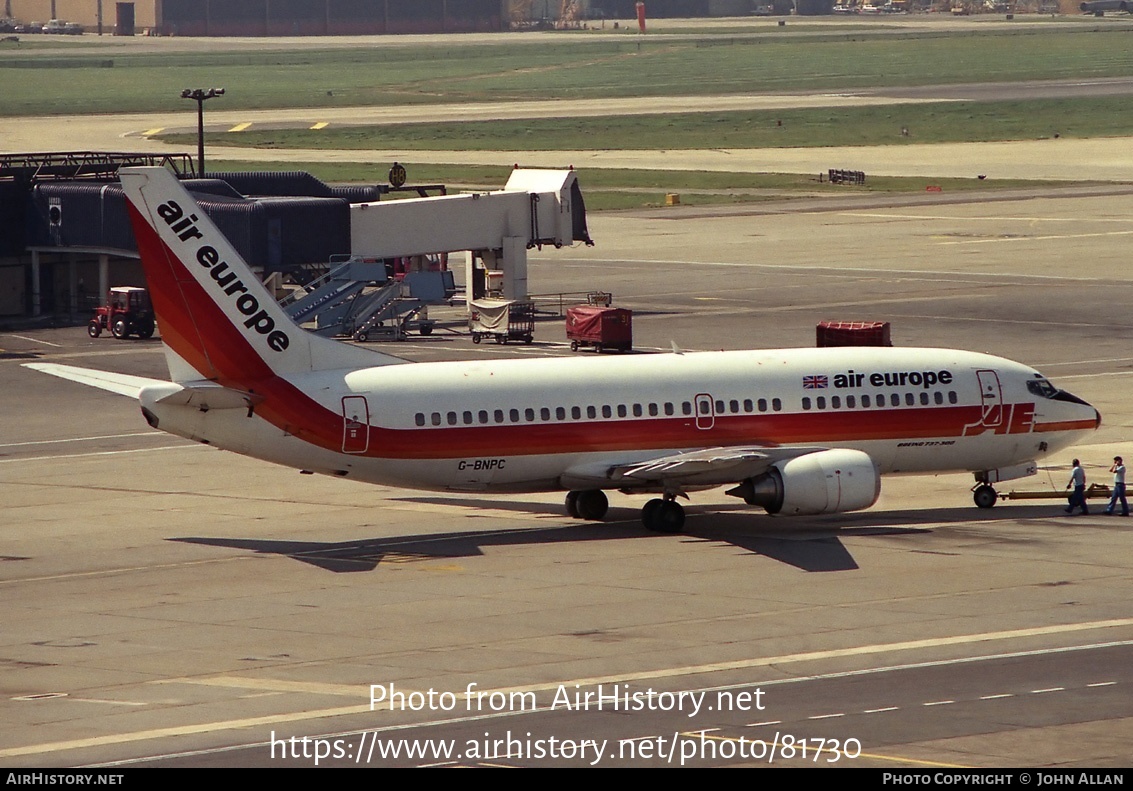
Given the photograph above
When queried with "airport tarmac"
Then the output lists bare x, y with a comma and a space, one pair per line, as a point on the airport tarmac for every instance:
167, 603
1101, 159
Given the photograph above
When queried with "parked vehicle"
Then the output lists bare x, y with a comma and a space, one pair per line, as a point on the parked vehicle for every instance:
63, 28
127, 312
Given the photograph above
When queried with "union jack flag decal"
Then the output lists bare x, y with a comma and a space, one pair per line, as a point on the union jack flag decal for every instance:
815, 382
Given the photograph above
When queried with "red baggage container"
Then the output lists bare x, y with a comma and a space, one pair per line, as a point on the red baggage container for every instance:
853, 333
602, 328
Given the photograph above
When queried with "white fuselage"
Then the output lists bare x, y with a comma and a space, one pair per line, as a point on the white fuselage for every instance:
514, 425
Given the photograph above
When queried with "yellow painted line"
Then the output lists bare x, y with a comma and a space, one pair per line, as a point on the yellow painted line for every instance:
1037, 238
277, 685
954, 218
183, 730
320, 125
814, 758
240, 127
365, 708
152, 132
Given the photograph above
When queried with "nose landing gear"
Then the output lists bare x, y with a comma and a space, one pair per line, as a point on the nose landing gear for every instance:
984, 496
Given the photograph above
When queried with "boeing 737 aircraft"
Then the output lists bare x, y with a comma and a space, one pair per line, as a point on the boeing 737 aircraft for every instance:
796, 431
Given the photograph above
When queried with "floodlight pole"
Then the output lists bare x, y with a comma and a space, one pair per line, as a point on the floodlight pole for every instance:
199, 95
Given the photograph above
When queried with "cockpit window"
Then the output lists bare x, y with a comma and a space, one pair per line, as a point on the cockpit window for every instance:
1042, 388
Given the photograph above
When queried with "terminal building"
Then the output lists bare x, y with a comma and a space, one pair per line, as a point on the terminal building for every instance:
365, 17
66, 237
266, 17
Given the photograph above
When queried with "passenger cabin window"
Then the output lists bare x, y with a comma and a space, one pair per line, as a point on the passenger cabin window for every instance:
606, 411
435, 418
513, 415
576, 413
669, 408
652, 410
637, 410
499, 415
482, 415
560, 413
806, 402
622, 410
777, 404
686, 407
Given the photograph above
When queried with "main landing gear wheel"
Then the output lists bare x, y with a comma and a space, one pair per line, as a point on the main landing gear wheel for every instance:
984, 496
663, 516
572, 505
590, 504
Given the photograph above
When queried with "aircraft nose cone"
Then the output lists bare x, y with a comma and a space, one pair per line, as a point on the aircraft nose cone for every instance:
1097, 419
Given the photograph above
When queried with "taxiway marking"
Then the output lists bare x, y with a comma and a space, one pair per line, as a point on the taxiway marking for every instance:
158, 733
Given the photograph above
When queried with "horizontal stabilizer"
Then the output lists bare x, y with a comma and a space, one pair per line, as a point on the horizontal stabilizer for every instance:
122, 384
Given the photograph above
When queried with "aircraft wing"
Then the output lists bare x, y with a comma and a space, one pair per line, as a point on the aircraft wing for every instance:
693, 468
122, 384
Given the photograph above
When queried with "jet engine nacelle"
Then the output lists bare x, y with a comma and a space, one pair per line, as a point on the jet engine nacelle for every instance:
823, 482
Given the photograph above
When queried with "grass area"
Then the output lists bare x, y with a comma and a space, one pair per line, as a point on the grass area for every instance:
925, 123
87, 79
629, 189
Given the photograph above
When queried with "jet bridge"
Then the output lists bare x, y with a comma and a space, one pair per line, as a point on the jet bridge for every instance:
496, 229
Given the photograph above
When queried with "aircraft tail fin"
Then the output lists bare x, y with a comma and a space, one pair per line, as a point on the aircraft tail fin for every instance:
217, 319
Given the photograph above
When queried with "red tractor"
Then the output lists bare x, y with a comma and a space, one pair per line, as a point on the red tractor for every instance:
127, 312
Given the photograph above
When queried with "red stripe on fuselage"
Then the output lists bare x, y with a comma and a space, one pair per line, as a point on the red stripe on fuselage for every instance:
669, 433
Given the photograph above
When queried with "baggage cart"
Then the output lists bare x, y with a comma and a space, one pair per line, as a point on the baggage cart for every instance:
502, 319
601, 328
852, 333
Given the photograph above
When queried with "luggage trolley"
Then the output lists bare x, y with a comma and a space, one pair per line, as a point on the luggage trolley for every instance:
602, 328
502, 319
